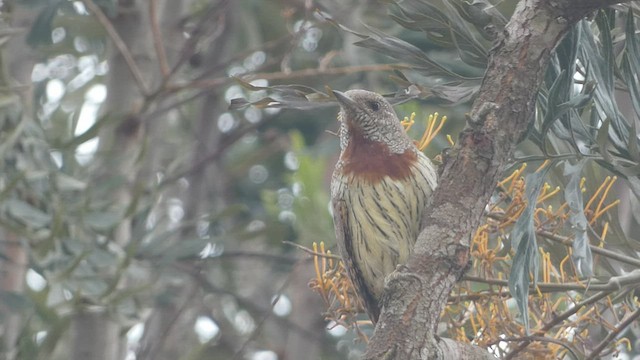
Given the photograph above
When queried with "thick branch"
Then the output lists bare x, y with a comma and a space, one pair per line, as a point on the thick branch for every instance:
416, 294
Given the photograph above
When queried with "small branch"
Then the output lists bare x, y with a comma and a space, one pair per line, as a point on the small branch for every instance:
228, 140
190, 46
157, 38
266, 315
567, 346
254, 255
185, 100
595, 249
615, 283
326, 71
208, 286
305, 73
560, 318
309, 251
456, 298
119, 43
612, 335
569, 242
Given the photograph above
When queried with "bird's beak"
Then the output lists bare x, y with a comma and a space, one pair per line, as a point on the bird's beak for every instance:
345, 101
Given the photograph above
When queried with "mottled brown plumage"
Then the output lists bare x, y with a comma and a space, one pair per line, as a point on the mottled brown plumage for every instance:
380, 187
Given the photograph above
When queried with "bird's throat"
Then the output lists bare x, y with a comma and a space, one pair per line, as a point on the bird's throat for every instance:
372, 160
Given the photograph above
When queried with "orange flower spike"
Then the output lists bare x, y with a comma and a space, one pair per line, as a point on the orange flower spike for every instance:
612, 309
481, 239
333, 288
431, 123
595, 195
543, 165
605, 229
498, 244
606, 208
450, 140
549, 195
408, 122
502, 182
517, 186
319, 277
555, 272
546, 262
605, 193
474, 326
624, 340
437, 130
562, 264
557, 304
346, 299
423, 142
512, 176
324, 258
561, 209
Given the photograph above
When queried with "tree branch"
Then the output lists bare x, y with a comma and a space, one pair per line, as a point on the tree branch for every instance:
416, 294
613, 334
560, 318
119, 43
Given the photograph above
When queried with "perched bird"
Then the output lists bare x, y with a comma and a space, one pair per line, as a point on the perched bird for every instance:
379, 189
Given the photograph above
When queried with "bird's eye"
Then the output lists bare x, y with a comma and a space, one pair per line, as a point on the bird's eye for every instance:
374, 105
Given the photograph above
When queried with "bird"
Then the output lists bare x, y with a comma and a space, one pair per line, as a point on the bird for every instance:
380, 187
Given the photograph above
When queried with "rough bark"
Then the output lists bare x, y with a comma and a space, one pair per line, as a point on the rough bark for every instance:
416, 294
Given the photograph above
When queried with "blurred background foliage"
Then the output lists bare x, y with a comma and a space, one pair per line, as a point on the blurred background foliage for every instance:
161, 159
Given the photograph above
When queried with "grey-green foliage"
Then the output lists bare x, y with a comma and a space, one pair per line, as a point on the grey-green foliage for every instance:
523, 239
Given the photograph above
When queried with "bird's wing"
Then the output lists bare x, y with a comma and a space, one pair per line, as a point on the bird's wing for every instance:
343, 224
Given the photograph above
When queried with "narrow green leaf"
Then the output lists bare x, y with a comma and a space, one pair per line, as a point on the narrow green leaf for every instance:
602, 140
526, 260
102, 220
68, 183
40, 32
27, 213
578, 222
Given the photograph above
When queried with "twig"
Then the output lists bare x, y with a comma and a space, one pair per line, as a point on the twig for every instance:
595, 249
208, 83
157, 38
267, 314
190, 46
560, 318
567, 346
613, 284
228, 140
119, 43
254, 255
309, 251
615, 332
569, 242
250, 304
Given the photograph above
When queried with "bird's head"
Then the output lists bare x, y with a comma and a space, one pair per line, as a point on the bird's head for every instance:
365, 115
